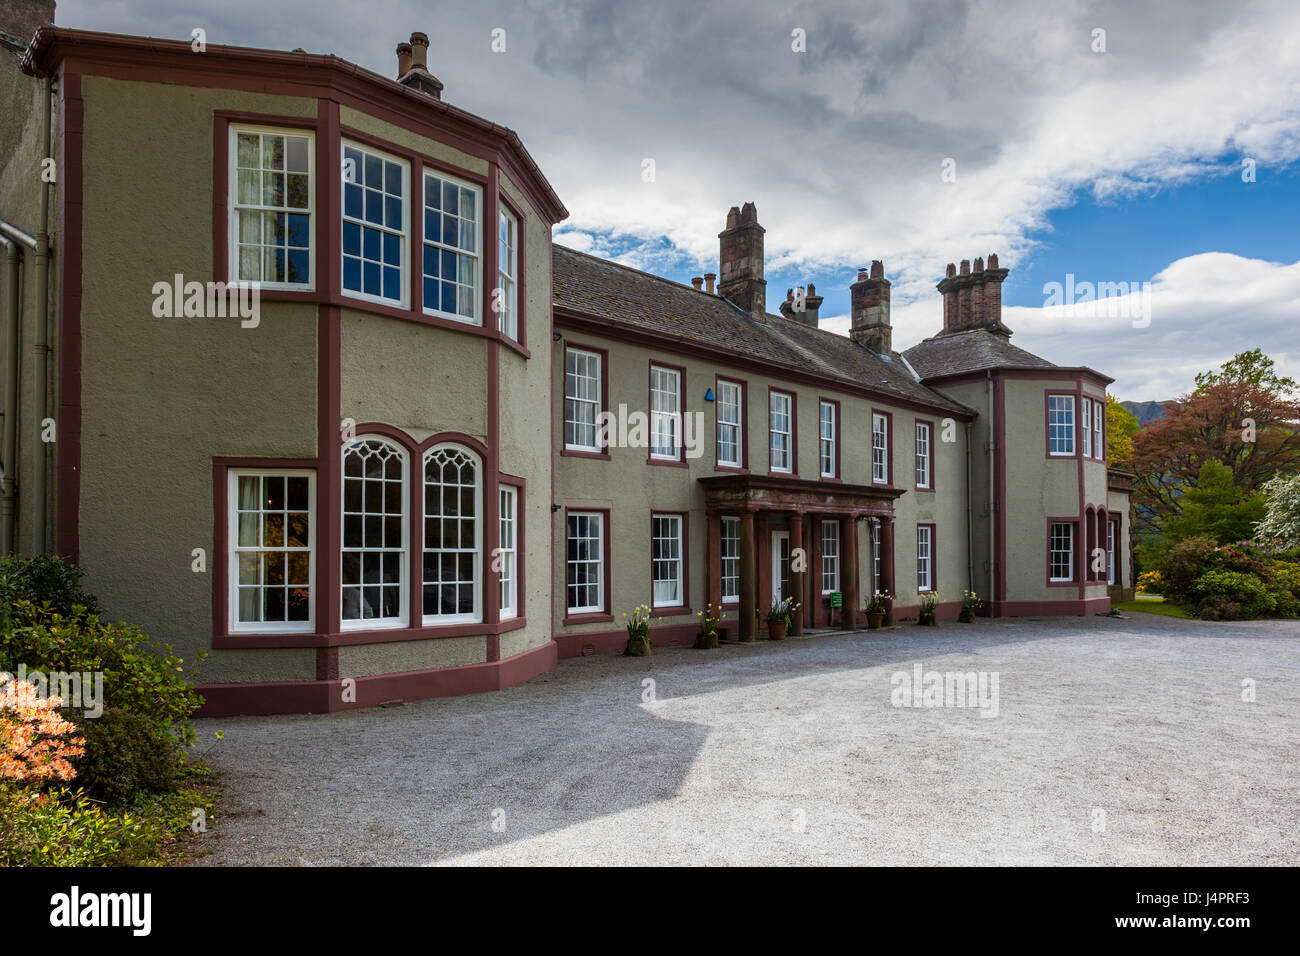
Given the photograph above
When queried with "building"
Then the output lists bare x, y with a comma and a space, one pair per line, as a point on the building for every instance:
434, 452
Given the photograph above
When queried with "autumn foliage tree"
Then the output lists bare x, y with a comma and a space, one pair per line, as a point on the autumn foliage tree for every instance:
1244, 415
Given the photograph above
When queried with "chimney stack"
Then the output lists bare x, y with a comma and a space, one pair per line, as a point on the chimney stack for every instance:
972, 298
869, 307
708, 281
803, 308
413, 66
741, 261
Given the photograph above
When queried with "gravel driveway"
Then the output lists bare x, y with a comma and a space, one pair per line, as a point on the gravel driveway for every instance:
1115, 742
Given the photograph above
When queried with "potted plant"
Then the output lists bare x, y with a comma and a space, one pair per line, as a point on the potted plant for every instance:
709, 620
970, 602
876, 608
928, 617
779, 617
638, 632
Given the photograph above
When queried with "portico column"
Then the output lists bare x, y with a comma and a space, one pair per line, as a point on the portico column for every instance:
887, 564
848, 572
748, 577
797, 590
713, 560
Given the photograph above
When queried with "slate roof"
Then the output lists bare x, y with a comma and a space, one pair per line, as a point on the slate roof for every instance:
952, 353
628, 297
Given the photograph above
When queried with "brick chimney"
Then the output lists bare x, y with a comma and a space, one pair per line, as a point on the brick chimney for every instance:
740, 268
869, 308
972, 297
803, 308
413, 66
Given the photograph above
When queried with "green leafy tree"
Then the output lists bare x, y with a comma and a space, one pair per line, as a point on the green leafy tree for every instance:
1215, 508
1121, 426
1282, 519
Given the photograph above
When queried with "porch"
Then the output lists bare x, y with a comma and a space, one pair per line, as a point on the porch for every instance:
786, 530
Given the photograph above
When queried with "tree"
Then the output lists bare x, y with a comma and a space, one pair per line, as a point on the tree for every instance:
1215, 508
1121, 426
1282, 519
1244, 415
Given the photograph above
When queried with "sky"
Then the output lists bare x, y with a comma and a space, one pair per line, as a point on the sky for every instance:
1162, 152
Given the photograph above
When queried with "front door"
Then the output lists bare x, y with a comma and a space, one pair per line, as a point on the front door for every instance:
780, 565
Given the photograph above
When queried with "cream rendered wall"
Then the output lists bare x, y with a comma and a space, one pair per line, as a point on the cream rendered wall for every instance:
975, 395
631, 488
146, 480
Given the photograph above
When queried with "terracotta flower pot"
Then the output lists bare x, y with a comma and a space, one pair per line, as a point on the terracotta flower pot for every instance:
636, 647
776, 630
875, 619
927, 620
967, 615
706, 641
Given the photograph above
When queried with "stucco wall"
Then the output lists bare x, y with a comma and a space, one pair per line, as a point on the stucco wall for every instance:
162, 396
631, 488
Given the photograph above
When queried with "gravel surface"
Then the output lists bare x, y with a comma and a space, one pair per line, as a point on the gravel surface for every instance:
1116, 742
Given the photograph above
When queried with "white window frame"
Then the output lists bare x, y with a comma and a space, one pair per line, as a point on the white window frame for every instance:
924, 559
1085, 422
667, 528
1064, 423
1053, 551
879, 448
598, 561
826, 442
508, 549
729, 562
508, 273
737, 428
476, 297
233, 206
830, 551
233, 550
924, 455
404, 560
403, 237
475, 616
1098, 430
786, 443
594, 403
660, 376
1110, 550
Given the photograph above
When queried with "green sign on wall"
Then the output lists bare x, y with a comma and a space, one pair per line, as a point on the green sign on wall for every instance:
837, 599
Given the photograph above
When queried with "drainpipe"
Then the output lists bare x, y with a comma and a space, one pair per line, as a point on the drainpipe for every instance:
9, 443
993, 568
42, 347
970, 520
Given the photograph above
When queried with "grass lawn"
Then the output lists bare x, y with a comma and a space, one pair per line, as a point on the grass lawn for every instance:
1151, 604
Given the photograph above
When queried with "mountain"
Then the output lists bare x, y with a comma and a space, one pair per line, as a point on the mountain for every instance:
1145, 411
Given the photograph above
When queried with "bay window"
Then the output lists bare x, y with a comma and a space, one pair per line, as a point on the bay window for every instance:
374, 225
272, 207
451, 247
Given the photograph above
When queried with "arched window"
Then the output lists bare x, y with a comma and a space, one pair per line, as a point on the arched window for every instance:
453, 535
374, 534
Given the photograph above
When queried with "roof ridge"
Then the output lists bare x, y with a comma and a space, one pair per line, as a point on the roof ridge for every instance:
642, 272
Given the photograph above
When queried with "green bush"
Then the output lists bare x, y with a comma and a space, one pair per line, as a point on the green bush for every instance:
29, 584
1221, 593
1184, 564
126, 756
67, 828
139, 676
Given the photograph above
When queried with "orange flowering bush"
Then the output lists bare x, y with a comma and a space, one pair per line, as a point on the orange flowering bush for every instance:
36, 743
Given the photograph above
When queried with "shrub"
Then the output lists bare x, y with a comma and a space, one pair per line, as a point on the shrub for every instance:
1184, 564
1217, 590
67, 828
30, 584
125, 757
1151, 582
36, 743
1286, 576
139, 676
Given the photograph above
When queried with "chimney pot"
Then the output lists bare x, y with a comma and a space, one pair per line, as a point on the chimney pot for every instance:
733, 217
877, 269
403, 59
697, 282
993, 260
812, 290
951, 271
965, 267
420, 50
709, 277
979, 264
